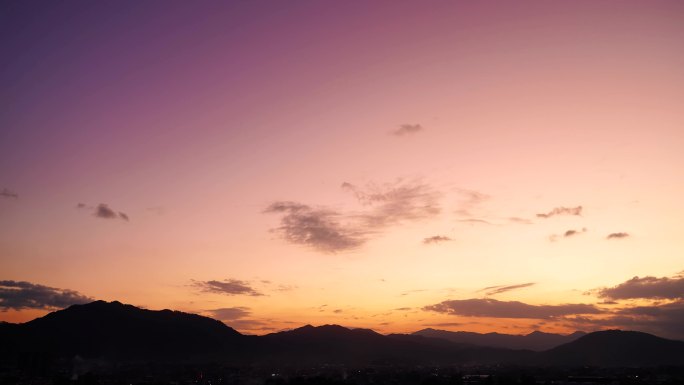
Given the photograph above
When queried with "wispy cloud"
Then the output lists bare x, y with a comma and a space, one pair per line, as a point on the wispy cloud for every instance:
332, 231
646, 288
6, 193
487, 307
318, 228
20, 295
391, 203
436, 239
519, 220
493, 290
227, 287
562, 211
407, 129
469, 201
617, 235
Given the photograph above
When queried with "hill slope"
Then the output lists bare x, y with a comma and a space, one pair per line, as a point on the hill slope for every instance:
617, 348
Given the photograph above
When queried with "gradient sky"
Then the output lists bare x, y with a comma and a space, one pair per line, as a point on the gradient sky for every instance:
484, 166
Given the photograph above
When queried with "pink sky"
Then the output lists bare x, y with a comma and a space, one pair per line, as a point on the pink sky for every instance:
287, 162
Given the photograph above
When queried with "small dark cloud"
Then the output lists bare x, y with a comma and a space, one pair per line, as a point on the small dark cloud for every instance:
475, 221
567, 234
337, 311
20, 295
6, 193
103, 211
411, 292
230, 313
617, 235
436, 239
407, 129
317, 228
493, 290
570, 233
228, 287
562, 211
488, 307
646, 288
402, 309
444, 324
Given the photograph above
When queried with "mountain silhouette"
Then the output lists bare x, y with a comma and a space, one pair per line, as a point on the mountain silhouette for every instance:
114, 332
617, 348
537, 341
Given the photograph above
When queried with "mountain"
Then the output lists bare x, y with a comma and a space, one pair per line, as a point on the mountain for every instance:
337, 344
115, 330
537, 341
117, 333
616, 348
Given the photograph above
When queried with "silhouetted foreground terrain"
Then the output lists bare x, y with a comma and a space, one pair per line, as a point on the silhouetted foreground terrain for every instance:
112, 339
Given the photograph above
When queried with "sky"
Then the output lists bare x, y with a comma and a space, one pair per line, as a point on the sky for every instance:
395, 165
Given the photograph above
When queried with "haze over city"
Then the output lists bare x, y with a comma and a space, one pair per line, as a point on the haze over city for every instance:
489, 167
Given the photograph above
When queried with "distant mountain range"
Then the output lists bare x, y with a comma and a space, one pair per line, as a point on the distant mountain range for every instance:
124, 333
537, 341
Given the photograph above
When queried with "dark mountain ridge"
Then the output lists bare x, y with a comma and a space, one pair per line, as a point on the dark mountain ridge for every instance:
115, 330
537, 341
124, 333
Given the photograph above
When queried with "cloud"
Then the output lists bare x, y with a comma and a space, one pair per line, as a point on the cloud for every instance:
562, 211
445, 324
436, 239
646, 288
103, 211
570, 233
520, 220
508, 309
230, 313
403, 309
475, 220
227, 287
317, 228
665, 320
332, 231
470, 199
6, 193
493, 290
20, 295
407, 129
392, 203
567, 234
412, 292
617, 235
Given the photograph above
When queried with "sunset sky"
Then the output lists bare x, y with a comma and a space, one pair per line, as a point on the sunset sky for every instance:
482, 166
